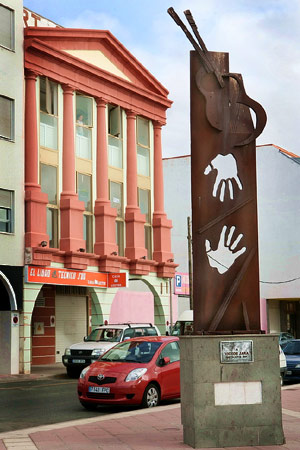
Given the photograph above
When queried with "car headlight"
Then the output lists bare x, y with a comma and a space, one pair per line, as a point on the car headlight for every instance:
67, 351
84, 371
98, 351
297, 366
135, 374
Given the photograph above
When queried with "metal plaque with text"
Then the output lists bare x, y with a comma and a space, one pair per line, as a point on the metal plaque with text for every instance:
236, 351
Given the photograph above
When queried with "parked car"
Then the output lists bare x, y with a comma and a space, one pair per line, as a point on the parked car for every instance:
284, 338
282, 363
140, 371
101, 339
292, 354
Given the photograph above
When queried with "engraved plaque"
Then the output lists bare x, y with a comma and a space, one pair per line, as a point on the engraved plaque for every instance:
236, 351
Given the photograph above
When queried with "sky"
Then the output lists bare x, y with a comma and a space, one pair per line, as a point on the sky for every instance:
261, 36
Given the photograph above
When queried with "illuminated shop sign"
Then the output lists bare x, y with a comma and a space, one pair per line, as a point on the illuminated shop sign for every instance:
68, 277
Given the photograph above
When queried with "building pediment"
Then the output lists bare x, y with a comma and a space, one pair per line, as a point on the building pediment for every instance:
98, 59
100, 49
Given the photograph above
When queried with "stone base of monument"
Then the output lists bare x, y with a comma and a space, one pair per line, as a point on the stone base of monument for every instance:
230, 391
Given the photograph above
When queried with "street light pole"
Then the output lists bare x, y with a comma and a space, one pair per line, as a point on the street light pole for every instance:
189, 238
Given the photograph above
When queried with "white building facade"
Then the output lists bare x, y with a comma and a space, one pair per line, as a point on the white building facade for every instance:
11, 181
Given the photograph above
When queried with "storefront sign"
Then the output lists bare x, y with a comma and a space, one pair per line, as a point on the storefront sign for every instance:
68, 277
236, 351
31, 19
117, 280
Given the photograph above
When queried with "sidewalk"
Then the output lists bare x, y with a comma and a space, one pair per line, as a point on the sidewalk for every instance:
143, 429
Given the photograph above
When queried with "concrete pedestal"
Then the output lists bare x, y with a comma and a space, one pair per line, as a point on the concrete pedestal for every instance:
230, 404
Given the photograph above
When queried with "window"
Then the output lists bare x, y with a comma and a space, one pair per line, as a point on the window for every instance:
7, 113
48, 114
171, 351
48, 181
145, 207
115, 138
143, 147
144, 203
88, 232
114, 121
52, 227
84, 190
84, 124
6, 211
7, 28
48, 96
116, 197
116, 201
148, 240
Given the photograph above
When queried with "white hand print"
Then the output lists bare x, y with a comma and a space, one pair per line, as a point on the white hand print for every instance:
223, 258
226, 168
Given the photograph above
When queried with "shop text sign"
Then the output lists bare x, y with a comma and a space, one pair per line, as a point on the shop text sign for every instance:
236, 351
68, 277
117, 280
31, 19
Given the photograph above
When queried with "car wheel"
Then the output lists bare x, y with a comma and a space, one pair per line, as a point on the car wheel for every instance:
89, 406
151, 396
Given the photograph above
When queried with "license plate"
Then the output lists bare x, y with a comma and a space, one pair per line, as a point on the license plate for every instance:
78, 361
99, 389
289, 372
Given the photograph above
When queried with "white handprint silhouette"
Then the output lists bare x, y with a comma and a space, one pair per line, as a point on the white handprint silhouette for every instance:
226, 168
223, 258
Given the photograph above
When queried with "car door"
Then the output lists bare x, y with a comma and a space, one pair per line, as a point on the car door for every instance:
170, 373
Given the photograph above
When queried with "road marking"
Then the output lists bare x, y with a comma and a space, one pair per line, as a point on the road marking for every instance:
291, 413
34, 387
78, 422
21, 443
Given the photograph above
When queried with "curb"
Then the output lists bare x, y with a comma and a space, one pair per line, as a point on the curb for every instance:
75, 423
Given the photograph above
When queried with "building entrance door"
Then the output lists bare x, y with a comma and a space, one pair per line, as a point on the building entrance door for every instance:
71, 322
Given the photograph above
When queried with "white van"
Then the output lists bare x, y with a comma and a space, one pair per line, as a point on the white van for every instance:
184, 324
80, 355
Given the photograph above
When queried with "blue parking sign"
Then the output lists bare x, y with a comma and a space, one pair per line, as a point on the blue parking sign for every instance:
178, 280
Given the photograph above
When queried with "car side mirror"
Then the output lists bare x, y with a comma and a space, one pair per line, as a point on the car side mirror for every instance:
164, 361
85, 339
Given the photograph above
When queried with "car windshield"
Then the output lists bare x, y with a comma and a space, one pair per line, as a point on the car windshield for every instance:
176, 329
292, 348
284, 337
137, 352
105, 334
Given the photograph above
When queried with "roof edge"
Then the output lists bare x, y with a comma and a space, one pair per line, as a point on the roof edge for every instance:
283, 150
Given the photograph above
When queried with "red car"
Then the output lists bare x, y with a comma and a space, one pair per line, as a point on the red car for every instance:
139, 371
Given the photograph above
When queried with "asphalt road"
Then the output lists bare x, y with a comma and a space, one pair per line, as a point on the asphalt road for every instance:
30, 403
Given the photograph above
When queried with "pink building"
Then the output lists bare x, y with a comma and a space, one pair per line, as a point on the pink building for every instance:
93, 190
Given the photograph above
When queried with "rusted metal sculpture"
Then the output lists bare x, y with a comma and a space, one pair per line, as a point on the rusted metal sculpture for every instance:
224, 206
